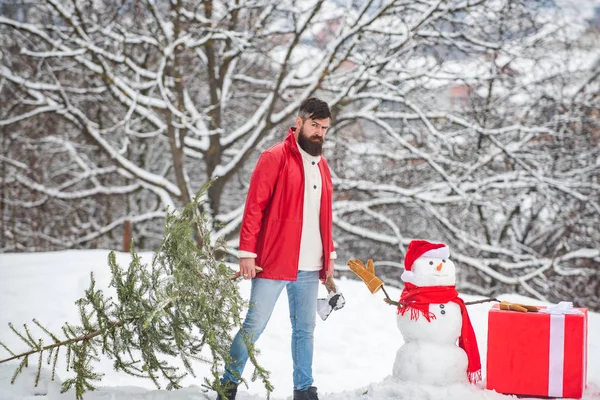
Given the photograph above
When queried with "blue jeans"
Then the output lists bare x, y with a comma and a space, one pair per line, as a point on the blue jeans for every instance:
302, 297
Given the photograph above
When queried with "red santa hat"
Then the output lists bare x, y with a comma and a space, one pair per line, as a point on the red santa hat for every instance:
421, 248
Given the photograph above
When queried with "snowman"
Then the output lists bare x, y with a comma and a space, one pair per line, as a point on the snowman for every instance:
432, 319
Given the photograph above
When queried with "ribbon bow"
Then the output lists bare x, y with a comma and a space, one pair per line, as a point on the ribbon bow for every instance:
562, 308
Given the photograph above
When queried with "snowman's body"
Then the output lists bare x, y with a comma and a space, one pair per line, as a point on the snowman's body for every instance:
430, 353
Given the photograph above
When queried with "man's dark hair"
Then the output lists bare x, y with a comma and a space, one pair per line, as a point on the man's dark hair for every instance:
314, 108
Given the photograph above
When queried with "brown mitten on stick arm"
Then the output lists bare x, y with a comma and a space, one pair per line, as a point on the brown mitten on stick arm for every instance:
367, 274
530, 308
506, 305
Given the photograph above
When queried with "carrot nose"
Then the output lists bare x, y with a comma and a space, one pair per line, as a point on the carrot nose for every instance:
439, 267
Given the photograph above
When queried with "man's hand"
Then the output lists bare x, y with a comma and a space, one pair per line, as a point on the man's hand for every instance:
247, 268
330, 285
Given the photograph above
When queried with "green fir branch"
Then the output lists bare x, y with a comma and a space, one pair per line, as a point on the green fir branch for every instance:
68, 357
37, 349
39, 368
7, 349
42, 327
19, 369
49, 357
23, 338
30, 338
54, 363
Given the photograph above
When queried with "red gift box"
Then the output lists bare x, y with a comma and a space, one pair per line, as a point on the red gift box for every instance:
537, 354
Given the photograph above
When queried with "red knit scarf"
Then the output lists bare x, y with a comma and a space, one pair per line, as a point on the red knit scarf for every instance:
417, 300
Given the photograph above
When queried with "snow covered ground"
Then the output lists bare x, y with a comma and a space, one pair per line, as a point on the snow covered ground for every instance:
354, 353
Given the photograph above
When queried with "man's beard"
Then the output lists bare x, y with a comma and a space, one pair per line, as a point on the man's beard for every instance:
313, 145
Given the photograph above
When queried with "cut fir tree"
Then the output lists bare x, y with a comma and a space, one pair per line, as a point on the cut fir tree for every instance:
183, 305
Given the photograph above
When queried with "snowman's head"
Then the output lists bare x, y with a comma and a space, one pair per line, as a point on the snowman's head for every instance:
429, 271
428, 264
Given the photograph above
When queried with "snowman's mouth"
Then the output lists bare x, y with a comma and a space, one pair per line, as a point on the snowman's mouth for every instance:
440, 275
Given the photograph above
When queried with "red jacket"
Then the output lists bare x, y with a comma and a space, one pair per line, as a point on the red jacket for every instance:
272, 223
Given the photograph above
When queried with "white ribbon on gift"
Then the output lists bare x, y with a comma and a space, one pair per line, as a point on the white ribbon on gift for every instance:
557, 345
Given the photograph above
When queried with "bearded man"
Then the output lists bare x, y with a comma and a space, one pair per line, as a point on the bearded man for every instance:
287, 231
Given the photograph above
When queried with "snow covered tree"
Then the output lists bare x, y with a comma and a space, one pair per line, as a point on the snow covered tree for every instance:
182, 306
489, 145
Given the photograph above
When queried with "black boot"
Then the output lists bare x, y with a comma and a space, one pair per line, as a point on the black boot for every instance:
306, 394
230, 389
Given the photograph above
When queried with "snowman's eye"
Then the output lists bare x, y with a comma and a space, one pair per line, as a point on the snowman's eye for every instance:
443, 261
430, 262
